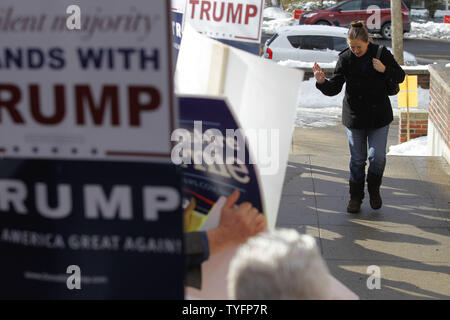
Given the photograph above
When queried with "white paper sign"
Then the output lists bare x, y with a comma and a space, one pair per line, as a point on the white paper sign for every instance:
263, 95
102, 91
238, 20
178, 5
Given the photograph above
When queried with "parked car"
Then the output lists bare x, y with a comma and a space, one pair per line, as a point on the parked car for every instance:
312, 43
344, 12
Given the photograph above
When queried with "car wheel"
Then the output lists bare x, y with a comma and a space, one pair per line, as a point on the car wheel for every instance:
324, 23
386, 31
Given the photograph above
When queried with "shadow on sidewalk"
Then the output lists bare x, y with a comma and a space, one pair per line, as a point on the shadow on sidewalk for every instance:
412, 227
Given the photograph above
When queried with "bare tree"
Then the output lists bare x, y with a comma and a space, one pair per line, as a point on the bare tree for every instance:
397, 30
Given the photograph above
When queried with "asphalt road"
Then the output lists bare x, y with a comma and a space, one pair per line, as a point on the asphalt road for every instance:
426, 51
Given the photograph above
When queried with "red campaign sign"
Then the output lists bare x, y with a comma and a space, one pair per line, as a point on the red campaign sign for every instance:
297, 13
447, 19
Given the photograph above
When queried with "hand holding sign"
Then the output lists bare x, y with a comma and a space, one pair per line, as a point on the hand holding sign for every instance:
236, 225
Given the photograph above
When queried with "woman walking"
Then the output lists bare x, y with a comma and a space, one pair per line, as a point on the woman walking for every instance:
366, 110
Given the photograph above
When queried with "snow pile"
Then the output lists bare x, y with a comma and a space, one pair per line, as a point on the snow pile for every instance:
414, 147
271, 27
323, 65
275, 18
310, 5
302, 64
276, 13
315, 109
429, 30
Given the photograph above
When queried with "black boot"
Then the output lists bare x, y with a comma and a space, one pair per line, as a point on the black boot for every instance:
373, 186
356, 196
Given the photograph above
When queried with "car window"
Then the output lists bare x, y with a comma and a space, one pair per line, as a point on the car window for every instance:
339, 44
336, 5
316, 42
368, 3
352, 5
385, 5
295, 41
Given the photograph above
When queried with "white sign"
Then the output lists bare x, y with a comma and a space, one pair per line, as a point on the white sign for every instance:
178, 5
238, 20
103, 90
248, 96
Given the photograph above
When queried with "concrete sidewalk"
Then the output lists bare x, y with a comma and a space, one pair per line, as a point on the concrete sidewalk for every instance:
408, 238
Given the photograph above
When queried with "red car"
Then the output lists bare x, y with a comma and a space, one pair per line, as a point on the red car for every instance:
344, 12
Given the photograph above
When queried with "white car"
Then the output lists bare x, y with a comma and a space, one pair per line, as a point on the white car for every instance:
311, 43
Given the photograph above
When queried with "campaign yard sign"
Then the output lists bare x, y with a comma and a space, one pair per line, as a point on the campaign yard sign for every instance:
103, 217
177, 9
233, 22
111, 74
215, 160
90, 203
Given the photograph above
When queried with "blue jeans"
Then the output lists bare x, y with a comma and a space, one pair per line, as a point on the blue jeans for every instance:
357, 141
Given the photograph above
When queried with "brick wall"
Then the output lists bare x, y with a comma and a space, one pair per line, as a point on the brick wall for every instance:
439, 107
418, 125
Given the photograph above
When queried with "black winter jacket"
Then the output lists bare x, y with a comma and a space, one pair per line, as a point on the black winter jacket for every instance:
366, 104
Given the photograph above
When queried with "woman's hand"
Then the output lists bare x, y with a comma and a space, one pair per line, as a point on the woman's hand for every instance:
318, 73
378, 65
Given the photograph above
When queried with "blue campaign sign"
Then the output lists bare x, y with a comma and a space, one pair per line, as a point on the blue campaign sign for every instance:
117, 225
204, 184
177, 31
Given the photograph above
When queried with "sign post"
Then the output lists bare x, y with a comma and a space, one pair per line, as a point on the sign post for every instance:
407, 97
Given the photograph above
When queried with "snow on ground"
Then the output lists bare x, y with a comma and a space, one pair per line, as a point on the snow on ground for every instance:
302, 64
271, 27
276, 13
429, 30
414, 147
310, 5
274, 18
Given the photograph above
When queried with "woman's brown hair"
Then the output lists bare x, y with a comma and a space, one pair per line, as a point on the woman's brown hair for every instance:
358, 31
